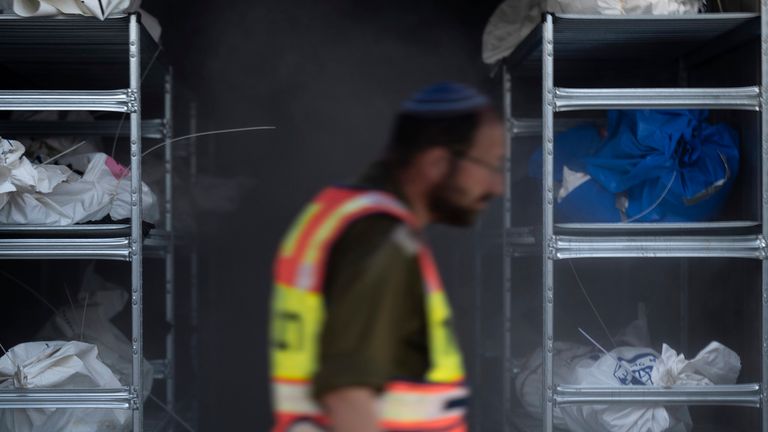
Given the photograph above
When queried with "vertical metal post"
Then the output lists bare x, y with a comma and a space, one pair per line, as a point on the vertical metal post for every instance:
137, 349
684, 309
193, 257
764, 207
170, 338
507, 385
548, 102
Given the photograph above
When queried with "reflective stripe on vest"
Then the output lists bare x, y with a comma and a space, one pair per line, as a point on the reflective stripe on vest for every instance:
298, 314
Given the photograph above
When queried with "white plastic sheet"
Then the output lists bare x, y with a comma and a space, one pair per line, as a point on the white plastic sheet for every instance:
34, 194
58, 365
715, 364
89, 320
100, 9
513, 20
566, 358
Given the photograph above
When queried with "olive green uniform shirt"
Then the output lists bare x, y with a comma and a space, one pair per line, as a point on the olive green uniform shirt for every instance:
375, 328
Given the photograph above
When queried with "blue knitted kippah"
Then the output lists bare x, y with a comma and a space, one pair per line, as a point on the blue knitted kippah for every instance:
444, 98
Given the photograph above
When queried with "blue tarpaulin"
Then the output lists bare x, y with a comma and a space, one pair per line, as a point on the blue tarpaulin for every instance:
653, 165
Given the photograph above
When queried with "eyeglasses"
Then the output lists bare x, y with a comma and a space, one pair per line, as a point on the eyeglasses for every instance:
499, 170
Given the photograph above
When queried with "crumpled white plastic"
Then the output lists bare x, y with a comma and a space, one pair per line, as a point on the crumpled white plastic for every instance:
567, 357
35, 194
58, 365
571, 180
100, 9
89, 320
17, 174
513, 20
715, 364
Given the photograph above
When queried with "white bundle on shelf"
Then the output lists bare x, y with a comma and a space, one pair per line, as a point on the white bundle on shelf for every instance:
90, 320
58, 365
513, 20
100, 9
54, 195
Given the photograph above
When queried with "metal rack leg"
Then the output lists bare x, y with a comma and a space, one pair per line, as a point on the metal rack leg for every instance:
134, 60
193, 256
685, 287
764, 169
508, 390
548, 222
170, 338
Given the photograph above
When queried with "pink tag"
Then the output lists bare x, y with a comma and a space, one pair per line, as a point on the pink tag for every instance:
115, 168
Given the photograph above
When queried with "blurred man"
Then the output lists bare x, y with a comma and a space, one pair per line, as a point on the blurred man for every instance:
361, 328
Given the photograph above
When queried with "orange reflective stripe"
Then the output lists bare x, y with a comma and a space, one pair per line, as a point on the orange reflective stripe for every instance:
327, 201
439, 425
320, 265
429, 269
290, 381
340, 208
285, 422
423, 388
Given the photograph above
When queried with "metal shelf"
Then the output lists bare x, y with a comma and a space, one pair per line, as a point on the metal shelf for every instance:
737, 98
723, 395
83, 51
120, 398
102, 128
746, 246
69, 100
623, 41
58, 248
531, 127
572, 48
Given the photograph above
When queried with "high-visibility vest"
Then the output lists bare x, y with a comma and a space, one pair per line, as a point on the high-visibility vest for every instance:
435, 403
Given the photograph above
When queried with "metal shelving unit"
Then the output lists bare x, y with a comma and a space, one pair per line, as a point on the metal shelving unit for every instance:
584, 39
75, 45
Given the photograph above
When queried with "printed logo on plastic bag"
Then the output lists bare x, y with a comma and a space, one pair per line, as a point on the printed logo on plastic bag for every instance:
641, 366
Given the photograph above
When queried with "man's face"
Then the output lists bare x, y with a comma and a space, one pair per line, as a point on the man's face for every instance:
476, 178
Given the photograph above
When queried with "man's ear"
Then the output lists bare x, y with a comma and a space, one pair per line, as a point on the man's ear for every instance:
433, 164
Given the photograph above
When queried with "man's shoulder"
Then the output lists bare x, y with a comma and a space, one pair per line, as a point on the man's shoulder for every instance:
377, 232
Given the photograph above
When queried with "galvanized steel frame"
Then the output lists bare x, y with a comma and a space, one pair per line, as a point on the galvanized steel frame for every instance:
68, 100
737, 98
120, 398
568, 247
128, 101
548, 109
507, 373
137, 324
119, 248
764, 195
170, 338
731, 395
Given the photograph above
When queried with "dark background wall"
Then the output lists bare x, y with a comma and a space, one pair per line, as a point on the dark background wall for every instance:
329, 76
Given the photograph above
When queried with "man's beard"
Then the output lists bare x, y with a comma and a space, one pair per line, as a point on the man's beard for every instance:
449, 204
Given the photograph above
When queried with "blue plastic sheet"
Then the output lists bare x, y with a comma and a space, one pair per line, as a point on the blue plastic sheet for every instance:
666, 165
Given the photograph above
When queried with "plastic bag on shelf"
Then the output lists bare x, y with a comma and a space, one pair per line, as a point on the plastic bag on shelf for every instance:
653, 166
36, 194
567, 357
90, 321
513, 20
58, 365
715, 364
644, 7
100, 9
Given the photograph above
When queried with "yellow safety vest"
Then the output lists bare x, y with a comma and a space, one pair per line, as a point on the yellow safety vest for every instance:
435, 403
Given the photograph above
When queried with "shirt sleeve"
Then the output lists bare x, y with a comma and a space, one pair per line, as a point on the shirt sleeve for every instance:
374, 305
